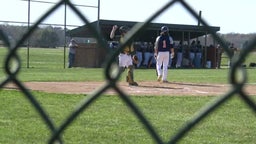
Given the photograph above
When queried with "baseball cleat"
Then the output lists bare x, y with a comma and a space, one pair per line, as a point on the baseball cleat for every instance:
159, 78
133, 84
164, 81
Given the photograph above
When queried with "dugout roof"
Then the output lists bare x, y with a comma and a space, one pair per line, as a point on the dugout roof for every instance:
177, 31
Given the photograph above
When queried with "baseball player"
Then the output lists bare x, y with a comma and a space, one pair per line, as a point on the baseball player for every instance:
126, 57
147, 55
138, 47
179, 54
198, 55
163, 47
192, 53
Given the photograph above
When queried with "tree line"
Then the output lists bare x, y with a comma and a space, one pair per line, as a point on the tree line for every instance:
46, 37
52, 37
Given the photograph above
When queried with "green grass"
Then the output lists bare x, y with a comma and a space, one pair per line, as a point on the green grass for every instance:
48, 65
97, 74
108, 119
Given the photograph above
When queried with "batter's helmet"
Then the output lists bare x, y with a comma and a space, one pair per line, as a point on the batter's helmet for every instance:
164, 29
123, 29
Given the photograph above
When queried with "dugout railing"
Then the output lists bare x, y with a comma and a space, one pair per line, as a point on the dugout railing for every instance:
111, 80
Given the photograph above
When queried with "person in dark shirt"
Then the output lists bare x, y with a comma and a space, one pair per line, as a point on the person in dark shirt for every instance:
163, 47
179, 54
192, 53
72, 51
198, 55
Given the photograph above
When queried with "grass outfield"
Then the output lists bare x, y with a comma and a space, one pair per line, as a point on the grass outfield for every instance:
108, 120
48, 65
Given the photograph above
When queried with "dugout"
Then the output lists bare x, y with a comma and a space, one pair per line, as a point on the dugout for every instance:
89, 55
148, 34
212, 57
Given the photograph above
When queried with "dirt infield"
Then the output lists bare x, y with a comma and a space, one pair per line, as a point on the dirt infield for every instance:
144, 88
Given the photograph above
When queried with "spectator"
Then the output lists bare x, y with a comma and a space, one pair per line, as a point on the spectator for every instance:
233, 51
72, 51
219, 54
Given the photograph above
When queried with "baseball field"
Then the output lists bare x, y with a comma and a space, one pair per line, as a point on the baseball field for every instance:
167, 107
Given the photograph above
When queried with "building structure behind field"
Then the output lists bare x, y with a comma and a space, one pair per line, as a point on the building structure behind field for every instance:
89, 54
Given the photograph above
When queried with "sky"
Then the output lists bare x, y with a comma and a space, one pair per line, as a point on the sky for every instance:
232, 16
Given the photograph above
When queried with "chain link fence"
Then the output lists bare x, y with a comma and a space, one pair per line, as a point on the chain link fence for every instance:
237, 82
